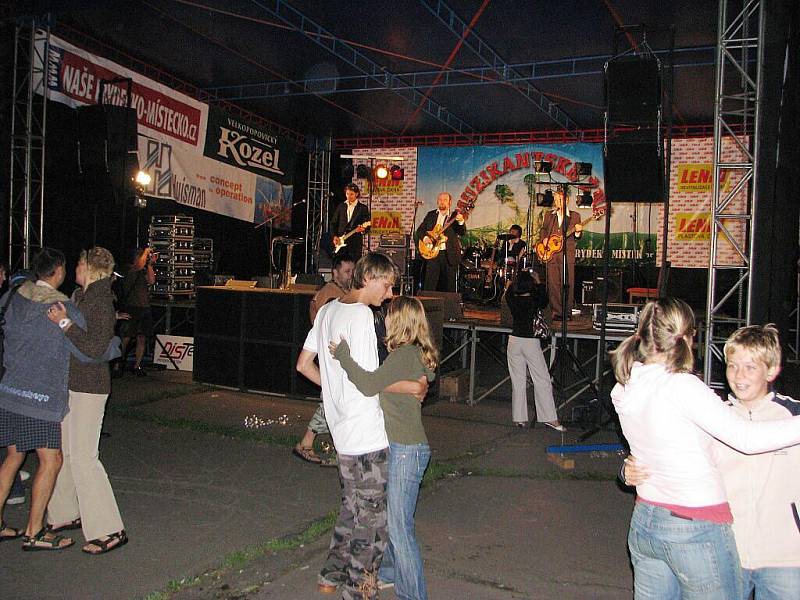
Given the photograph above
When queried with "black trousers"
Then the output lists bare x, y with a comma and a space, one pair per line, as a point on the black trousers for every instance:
440, 275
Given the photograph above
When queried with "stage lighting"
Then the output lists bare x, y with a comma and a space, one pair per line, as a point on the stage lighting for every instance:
545, 199
585, 198
381, 172
348, 170
542, 166
398, 174
584, 169
362, 171
143, 178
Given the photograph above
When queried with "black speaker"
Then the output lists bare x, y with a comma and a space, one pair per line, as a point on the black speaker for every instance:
633, 89
615, 286
397, 256
633, 171
106, 134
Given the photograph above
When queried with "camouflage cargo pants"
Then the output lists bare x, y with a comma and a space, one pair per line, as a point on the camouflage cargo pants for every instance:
360, 534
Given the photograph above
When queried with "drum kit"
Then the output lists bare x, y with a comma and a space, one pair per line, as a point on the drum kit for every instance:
486, 269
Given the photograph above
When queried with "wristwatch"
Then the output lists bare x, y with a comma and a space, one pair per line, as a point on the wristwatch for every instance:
64, 323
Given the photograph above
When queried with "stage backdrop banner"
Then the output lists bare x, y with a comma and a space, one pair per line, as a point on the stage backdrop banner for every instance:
691, 178
501, 182
74, 77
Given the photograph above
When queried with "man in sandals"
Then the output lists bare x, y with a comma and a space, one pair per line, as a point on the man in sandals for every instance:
33, 393
342, 278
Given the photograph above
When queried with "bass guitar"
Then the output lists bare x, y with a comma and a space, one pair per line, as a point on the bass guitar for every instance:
341, 241
552, 244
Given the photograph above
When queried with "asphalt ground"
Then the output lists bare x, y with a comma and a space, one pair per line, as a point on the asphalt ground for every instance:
216, 506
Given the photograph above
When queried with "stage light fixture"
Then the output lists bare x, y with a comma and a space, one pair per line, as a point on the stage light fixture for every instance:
143, 178
546, 199
362, 171
542, 167
398, 174
381, 172
348, 170
585, 198
584, 169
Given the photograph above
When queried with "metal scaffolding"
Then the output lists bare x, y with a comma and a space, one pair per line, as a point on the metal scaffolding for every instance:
28, 118
736, 114
319, 176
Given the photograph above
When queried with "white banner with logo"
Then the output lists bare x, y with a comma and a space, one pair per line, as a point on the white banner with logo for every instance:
180, 349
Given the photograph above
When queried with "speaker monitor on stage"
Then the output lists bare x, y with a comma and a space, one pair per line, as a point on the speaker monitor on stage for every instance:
398, 256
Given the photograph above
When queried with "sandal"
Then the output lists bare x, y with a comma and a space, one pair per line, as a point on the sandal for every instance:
306, 454
105, 545
40, 541
76, 524
15, 533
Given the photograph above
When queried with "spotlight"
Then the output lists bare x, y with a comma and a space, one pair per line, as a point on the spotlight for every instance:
348, 170
545, 199
585, 198
398, 174
542, 166
143, 178
584, 169
362, 171
381, 172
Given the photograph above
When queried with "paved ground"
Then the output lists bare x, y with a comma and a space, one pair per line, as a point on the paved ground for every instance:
217, 507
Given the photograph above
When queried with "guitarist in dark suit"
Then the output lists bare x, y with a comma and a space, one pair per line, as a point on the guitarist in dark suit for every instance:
441, 271
552, 226
349, 216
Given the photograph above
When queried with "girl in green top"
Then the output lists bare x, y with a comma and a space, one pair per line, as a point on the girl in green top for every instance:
411, 356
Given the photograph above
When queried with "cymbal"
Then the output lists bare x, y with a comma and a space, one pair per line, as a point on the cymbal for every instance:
504, 236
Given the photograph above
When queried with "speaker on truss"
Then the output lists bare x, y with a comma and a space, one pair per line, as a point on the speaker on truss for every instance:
106, 134
633, 170
633, 89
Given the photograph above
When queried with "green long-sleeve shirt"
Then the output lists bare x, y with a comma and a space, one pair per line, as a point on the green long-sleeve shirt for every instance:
402, 413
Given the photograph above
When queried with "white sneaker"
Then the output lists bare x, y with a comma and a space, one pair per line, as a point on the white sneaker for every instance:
16, 500
24, 475
385, 585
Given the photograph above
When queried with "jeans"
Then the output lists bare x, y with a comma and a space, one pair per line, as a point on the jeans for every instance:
402, 563
772, 583
676, 558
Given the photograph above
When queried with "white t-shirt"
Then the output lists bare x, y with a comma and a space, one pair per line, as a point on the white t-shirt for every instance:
355, 420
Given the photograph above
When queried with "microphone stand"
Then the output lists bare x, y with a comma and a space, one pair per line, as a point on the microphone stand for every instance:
269, 245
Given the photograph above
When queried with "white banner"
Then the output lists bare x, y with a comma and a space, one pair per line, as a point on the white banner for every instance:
194, 180
179, 348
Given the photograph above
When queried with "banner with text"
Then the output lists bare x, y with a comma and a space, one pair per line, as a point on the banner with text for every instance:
75, 78
501, 183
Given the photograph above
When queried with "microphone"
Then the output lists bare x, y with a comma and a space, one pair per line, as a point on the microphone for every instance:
418, 203
303, 201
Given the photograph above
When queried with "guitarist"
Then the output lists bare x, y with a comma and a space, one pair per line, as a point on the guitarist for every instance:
349, 215
441, 271
552, 225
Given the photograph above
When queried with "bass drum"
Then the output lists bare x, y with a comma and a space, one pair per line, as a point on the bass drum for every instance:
471, 259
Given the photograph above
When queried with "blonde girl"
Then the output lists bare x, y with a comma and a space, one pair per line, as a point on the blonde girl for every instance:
412, 355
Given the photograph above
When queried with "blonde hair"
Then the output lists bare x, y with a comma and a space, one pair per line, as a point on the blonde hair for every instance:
666, 327
406, 323
99, 263
373, 266
762, 341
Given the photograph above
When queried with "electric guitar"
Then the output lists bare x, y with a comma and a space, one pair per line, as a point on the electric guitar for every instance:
340, 242
552, 244
430, 250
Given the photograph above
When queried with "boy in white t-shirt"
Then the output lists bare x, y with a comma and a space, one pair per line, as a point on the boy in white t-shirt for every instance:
356, 425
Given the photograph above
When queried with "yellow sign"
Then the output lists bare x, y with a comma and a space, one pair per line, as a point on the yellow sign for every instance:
693, 227
697, 177
389, 221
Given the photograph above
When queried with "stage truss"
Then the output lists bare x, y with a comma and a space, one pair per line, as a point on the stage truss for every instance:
736, 112
319, 176
28, 124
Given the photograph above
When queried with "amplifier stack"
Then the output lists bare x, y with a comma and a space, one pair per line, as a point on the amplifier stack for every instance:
203, 261
172, 237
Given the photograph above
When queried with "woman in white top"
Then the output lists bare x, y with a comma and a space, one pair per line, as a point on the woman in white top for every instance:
680, 537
